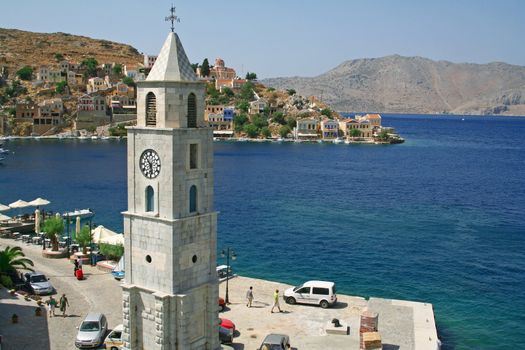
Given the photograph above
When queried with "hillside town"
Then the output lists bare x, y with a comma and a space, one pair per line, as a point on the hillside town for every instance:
92, 99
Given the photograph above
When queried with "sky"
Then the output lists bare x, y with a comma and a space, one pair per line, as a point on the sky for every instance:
275, 38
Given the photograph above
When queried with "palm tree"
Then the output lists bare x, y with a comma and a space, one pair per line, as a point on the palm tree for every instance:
11, 260
54, 227
84, 238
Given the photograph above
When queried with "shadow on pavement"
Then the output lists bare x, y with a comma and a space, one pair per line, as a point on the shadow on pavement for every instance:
390, 347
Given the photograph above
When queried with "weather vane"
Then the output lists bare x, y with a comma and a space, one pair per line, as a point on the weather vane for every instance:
173, 18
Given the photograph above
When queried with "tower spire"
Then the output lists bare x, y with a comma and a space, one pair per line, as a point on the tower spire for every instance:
172, 18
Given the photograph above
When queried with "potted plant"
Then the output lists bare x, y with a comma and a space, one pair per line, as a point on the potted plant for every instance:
38, 311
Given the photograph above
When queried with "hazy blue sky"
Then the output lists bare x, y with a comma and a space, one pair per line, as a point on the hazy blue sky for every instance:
292, 37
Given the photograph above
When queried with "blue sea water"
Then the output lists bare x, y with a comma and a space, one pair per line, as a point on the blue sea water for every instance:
438, 219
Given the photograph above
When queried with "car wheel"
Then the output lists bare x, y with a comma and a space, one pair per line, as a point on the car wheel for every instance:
290, 300
324, 304
113, 348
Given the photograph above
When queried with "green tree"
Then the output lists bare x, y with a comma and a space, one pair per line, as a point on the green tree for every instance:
239, 121
129, 81
278, 117
25, 73
194, 66
243, 106
12, 259
355, 133
251, 130
326, 112
383, 135
291, 92
212, 91
228, 92
259, 121
54, 227
205, 68
251, 76
84, 238
265, 131
117, 69
284, 130
61, 87
59, 57
16, 89
90, 67
246, 92
291, 122
111, 251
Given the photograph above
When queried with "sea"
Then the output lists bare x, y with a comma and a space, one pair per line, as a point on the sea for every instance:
438, 219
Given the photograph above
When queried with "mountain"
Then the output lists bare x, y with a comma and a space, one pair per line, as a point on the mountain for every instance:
397, 84
19, 48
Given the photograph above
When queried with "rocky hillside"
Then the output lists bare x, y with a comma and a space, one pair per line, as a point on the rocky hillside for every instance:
19, 48
399, 84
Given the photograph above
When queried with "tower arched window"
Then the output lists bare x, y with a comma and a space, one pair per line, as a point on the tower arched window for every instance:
151, 109
150, 199
193, 199
192, 111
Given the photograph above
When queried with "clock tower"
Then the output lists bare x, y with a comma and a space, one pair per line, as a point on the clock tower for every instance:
171, 289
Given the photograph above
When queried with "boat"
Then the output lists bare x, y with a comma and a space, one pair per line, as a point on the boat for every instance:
4, 151
94, 137
338, 140
118, 271
82, 213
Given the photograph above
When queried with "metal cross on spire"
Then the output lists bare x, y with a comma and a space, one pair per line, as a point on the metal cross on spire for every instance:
173, 18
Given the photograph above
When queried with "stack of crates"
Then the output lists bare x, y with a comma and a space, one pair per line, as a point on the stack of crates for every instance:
369, 337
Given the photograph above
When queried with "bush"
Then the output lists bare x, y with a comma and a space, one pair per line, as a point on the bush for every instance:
251, 130
25, 73
61, 87
6, 281
279, 118
265, 131
326, 112
291, 122
259, 121
111, 251
284, 130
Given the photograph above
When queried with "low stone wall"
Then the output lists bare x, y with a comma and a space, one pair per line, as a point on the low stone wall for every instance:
49, 254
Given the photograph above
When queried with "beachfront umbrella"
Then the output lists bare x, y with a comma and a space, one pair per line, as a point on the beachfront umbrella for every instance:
37, 221
19, 204
39, 202
115, 240
4, 217
100, 232
4, 207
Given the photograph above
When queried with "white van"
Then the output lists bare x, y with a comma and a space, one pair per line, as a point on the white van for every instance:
312, 292
114, 339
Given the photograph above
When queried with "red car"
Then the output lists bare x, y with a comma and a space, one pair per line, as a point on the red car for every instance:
222, 303
227, 324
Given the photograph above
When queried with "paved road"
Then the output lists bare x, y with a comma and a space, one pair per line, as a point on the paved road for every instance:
99, 292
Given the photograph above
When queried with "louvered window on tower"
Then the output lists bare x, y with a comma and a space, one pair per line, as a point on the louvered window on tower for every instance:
192, 111
151, 109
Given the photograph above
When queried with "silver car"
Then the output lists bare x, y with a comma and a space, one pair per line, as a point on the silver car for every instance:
39, 283
92, 331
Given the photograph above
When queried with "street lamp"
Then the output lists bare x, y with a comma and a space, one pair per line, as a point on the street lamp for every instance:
229, 253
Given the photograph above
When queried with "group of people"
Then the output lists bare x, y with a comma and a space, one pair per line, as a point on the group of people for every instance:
249, 299
52, 303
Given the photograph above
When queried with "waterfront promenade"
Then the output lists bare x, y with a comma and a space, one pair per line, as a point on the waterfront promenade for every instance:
403, 325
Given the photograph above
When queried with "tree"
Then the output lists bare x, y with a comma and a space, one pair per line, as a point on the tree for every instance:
326, 112
355, 133
117, 69
228, 92
259, 121
278, 117
246, 92
291, 92
25, 73
284, 130
54, 227
383, 135
84, 238
12, 260
239, 121
251, 76
90, 67
61, 87
129, 81
194, 66
59, 57
291, 122
205, 68
251, 130
16, 89
243, 106
265, 131
112, 251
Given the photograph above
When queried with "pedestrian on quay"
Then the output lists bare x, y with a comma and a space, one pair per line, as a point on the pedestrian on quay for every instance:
249, 297
51, 304
276, 301
64, 303
76, 267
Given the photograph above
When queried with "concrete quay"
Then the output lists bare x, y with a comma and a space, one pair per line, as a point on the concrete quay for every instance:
403, 325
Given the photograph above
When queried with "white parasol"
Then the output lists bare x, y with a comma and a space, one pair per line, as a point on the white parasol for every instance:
4, 207
19, 204
115, 240
39, 202
4, 217
100, 232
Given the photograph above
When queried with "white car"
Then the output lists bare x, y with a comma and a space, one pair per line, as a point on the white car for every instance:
114, 339
312, 292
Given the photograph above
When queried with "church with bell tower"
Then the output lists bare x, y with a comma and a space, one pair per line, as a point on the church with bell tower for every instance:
170, 227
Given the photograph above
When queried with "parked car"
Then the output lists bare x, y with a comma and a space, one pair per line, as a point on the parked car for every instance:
225, 335
38, 283
222, 303
227, 324
114, 339
312, 292
276, 342
92, 331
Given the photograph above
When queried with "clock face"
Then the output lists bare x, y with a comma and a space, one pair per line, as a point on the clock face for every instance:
150, 163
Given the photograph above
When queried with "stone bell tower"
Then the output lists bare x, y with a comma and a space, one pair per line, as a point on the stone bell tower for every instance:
171, 289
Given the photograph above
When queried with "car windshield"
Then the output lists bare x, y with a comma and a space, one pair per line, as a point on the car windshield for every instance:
272, 347
89, 326
298, 287
38, 278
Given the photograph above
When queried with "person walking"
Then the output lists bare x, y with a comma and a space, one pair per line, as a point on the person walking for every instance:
51, 304
276, 301
63, 303
249, 297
